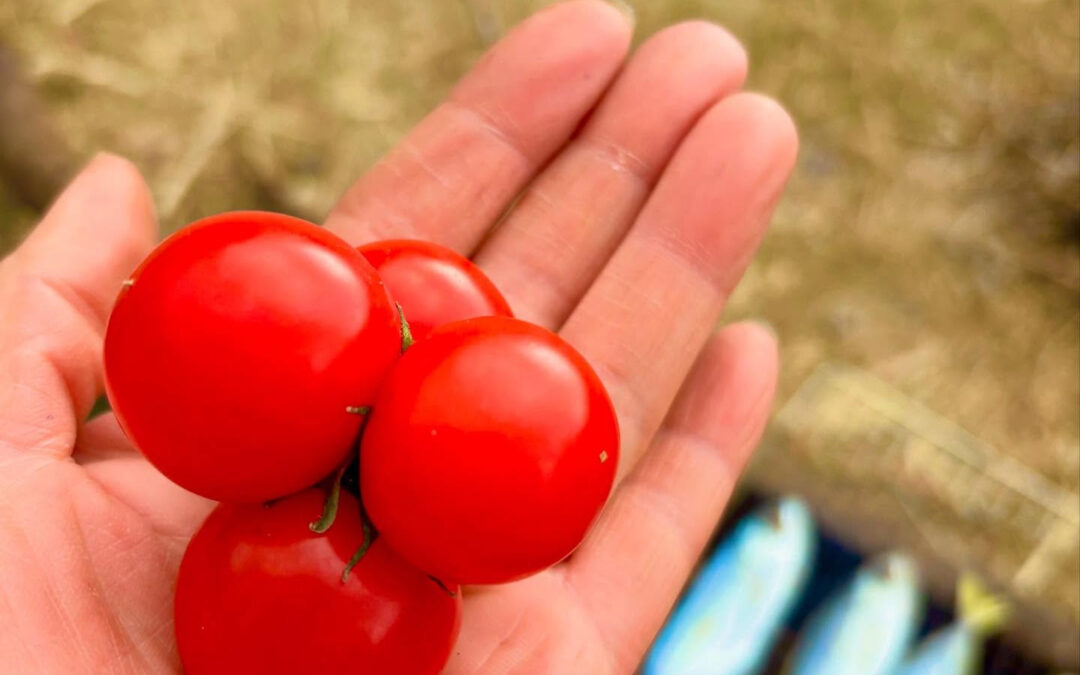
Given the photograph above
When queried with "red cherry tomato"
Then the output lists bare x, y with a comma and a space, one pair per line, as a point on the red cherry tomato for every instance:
258, 592
234, 353
434, 284
490, 450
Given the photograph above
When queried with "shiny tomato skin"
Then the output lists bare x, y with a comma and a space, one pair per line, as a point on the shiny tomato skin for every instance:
233, 354
490, 450
434, 284
258, 592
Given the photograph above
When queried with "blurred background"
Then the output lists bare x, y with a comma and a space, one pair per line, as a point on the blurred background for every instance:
923, 271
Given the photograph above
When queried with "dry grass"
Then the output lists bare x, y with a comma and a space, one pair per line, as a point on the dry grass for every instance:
929, 238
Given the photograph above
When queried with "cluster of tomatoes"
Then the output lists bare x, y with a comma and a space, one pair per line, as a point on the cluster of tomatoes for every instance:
378, 428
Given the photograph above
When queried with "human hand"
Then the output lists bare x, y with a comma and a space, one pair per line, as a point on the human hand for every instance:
646, 191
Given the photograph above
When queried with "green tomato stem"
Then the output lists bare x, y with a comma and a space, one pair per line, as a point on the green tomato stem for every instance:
368, 538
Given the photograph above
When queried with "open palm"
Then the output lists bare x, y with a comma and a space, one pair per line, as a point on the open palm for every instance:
639, 192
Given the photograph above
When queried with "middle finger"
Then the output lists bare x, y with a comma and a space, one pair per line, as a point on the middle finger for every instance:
556, 239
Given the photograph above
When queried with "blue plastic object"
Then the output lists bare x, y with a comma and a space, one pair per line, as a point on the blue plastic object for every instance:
866, 627
729, 618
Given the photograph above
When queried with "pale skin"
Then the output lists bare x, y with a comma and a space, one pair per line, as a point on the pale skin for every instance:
648, 182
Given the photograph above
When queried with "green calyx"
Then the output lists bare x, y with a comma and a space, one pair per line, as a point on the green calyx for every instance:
406, 334
442, 586
359, 555
330, 506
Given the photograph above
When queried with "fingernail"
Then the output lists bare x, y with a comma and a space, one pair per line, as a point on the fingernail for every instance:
107, 161
625, 8
767, 326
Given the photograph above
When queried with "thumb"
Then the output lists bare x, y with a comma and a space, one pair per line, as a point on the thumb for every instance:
56, 291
